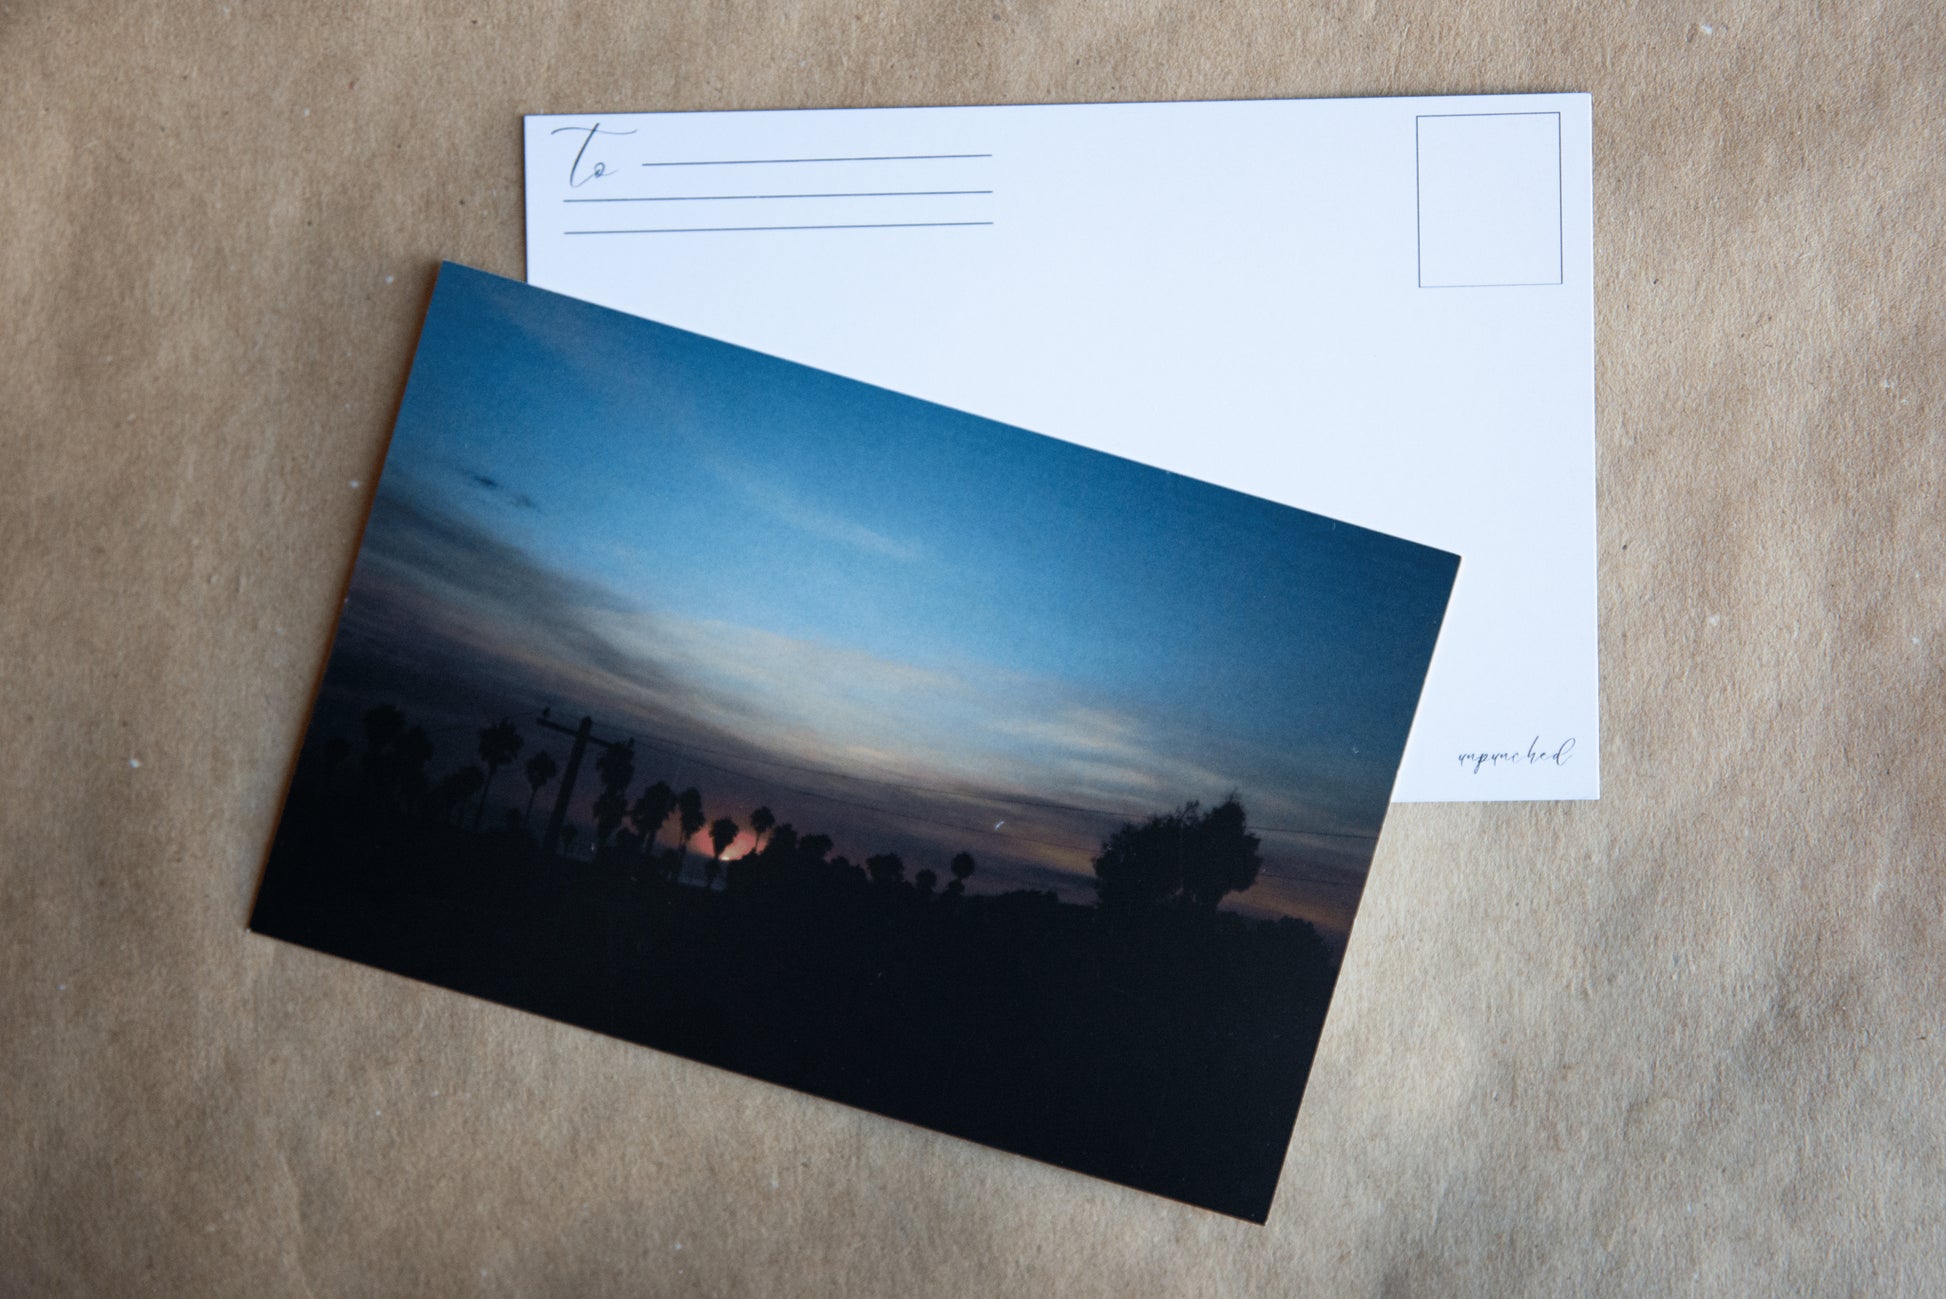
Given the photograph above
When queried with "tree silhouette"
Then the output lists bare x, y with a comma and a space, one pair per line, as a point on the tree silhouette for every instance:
722, 833
452, 793
925, 881
782, 846
962, 868
616, 765
760, 822
843, 869
1140, 866
1188, 855
615, 768
540, 769
611, 805
499, 745
886, 870
689, 819
1220, 856
811, 849
651, 810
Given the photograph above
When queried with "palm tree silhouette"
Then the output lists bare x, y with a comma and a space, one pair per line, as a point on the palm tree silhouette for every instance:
689, 819
651, 810
611, 805
722, 833
540, 769
962, 868
499, 745
615, 767
760, 822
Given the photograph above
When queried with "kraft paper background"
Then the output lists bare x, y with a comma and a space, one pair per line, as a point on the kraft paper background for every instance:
1688, 1039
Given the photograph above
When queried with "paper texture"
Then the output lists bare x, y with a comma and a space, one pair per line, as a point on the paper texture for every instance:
1684, 1040
1381, 310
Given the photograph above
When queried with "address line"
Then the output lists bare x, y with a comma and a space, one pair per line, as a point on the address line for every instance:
705, 230
724, 198
764, 162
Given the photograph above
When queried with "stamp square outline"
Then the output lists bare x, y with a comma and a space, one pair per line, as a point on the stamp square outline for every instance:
1419, 215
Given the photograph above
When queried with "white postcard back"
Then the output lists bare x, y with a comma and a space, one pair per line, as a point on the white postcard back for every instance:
1380, 310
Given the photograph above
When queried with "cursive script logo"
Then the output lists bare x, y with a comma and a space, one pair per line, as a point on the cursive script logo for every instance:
1534, 756
597, 168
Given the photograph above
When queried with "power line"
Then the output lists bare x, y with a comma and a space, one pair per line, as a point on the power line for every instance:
1311, 879
690, 751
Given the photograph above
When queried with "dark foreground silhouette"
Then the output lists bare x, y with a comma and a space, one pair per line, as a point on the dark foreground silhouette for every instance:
1151, 1040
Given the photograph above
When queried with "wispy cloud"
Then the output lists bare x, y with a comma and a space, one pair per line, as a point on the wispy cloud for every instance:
984, 742
793, 510
939, 753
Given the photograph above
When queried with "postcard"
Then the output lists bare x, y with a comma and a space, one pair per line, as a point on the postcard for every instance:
1378, 309
854, 743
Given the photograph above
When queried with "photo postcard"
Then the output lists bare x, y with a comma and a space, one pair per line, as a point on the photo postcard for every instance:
854, 743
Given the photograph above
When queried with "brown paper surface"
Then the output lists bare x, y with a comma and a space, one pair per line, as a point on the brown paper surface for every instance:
1686, 1039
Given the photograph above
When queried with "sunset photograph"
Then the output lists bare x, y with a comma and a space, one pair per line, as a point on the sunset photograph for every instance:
854, 743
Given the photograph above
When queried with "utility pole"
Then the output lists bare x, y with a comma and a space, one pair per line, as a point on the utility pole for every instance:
583, 737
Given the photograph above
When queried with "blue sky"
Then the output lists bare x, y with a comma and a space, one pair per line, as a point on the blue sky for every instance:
819, 581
